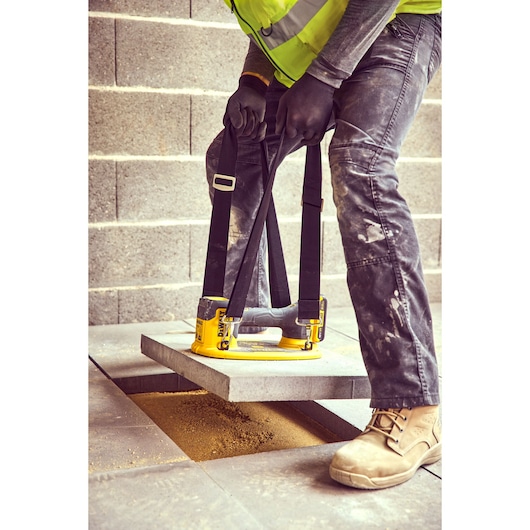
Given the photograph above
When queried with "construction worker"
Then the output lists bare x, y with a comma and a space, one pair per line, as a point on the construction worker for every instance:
360, 68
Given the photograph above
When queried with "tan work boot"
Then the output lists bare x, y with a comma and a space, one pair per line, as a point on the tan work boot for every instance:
393, 446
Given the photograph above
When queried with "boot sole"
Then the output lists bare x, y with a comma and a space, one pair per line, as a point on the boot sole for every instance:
354, 480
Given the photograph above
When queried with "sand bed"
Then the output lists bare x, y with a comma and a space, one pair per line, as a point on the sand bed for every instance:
207, 427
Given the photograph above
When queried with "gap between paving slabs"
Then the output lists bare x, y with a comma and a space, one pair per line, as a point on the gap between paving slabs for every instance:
206, 427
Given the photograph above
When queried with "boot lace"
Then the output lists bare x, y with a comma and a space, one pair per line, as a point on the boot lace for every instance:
376, 423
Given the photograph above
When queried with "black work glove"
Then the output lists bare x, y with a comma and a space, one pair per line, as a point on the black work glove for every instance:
305, 110
245, 109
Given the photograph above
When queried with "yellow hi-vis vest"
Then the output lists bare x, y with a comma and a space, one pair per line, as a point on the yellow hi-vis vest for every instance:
292, 33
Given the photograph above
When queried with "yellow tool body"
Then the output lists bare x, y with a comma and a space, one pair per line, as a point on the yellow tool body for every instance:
218, 336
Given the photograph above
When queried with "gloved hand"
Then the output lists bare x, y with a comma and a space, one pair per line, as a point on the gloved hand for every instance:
245, 109
305, 110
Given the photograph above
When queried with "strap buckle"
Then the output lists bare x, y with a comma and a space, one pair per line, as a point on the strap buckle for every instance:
224, 182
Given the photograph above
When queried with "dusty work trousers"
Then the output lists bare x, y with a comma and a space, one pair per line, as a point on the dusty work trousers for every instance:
373, 112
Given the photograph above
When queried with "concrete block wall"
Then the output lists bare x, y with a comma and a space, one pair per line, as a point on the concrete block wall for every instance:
160, 73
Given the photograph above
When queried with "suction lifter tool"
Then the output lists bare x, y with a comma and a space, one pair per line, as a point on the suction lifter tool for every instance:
218, 317
218, 336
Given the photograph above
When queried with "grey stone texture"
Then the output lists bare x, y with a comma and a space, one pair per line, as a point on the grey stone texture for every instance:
153, 8
161, 189
101, 63
206, 120
423, 139
421, 184
214, 10
175, 56
158, 304
138, 123
207, 10
139, 255
101, 191
160, 73
139, 441
103, 307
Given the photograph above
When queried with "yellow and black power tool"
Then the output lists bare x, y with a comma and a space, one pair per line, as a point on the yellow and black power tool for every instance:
218, 336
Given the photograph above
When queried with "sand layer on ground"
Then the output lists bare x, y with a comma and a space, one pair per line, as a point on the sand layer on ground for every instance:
207, 427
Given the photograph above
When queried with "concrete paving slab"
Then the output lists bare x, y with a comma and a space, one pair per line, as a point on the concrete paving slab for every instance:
357, 411
292, 489
116, 351
345, 417
164, 497
116, 348
120, 435
335, 375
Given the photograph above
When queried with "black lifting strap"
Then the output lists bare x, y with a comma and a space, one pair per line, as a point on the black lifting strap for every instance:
236, 304
279, 285
309, 283
224, 184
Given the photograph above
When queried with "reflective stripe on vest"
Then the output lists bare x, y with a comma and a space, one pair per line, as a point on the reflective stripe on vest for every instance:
290, 33
292, 23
